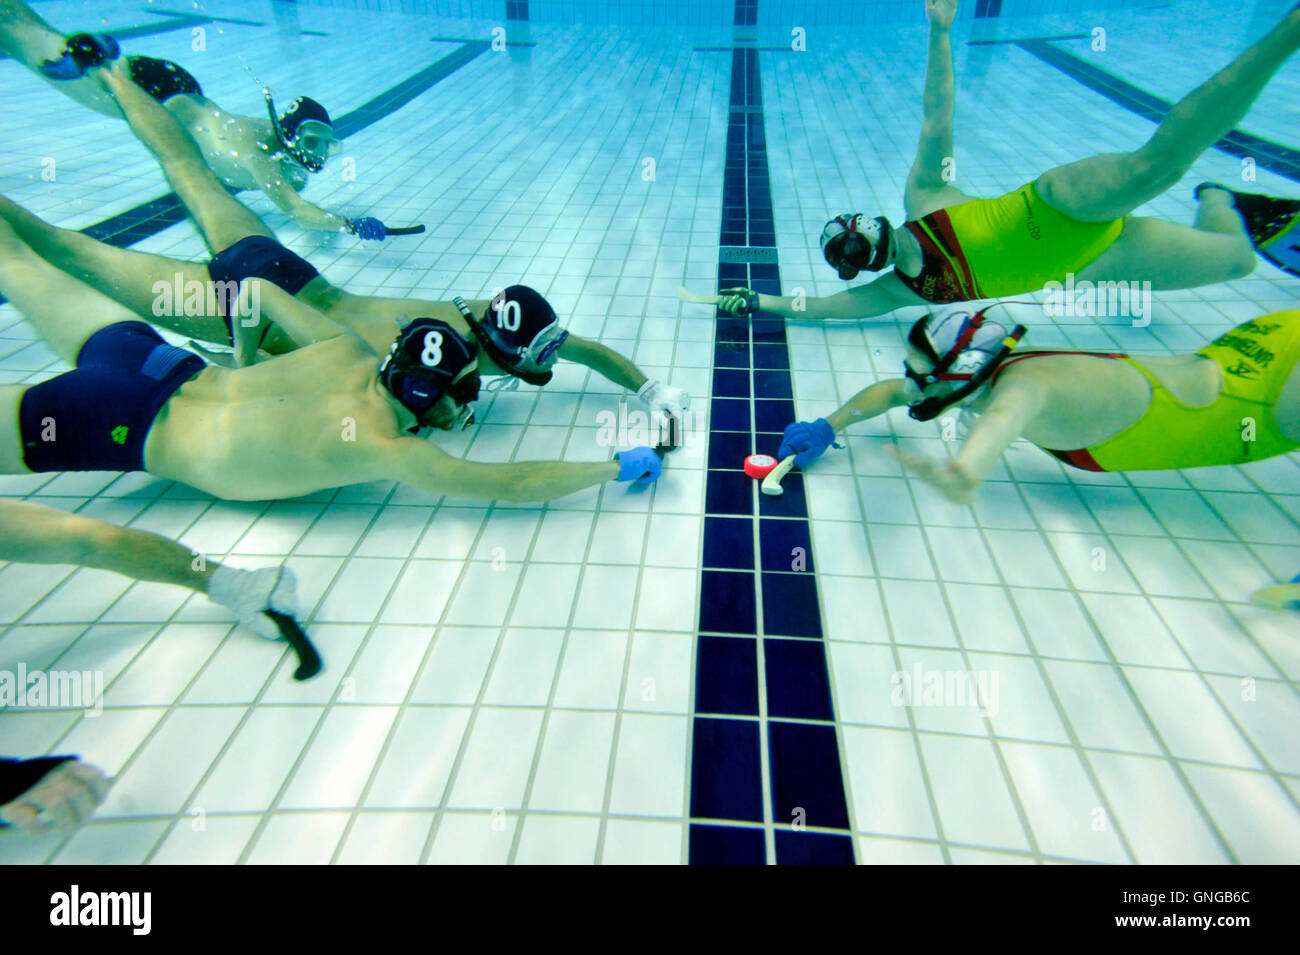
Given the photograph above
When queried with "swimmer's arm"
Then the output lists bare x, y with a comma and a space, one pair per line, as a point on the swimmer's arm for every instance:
870, 402
268, 303
279, 191
934, 152
35, 534
1014, 405
877, 297
422, 465
603, 361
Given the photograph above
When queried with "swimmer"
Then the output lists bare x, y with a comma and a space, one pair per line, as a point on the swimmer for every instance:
518, 332
332, 413
275, 155
49, 793
265, 600
1075, 219
1235, 401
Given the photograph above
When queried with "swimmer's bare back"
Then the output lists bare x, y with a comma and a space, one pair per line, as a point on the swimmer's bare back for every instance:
305, 421
241, 150
1089, 399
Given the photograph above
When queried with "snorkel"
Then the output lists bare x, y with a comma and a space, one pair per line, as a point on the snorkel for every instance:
304, 119
520, 332
961, 363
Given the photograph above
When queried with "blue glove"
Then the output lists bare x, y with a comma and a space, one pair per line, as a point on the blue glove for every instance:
807, 441
368, 227
640, 464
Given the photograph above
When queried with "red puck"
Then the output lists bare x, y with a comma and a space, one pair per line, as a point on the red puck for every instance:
759, 465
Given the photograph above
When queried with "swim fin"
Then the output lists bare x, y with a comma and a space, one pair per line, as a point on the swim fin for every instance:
1279, 597
1273, 224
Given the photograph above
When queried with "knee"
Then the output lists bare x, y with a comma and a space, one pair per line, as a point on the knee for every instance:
1153, 173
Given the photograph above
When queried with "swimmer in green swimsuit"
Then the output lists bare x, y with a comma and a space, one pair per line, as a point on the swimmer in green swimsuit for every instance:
1234, 402
244, 152
1076, 218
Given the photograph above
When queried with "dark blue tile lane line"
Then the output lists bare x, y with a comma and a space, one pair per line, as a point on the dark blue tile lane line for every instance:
758, 603
1275, 157
149, 218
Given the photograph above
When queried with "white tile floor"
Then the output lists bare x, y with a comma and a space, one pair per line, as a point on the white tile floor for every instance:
513, 683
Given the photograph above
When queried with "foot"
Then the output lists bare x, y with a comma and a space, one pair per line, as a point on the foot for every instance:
1210, 185
84, 51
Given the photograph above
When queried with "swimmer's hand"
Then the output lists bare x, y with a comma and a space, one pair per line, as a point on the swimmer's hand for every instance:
948, 475
807, 441
368, 227
63, 798
941, 13
665, 398
739, 302
641, 465
251, 592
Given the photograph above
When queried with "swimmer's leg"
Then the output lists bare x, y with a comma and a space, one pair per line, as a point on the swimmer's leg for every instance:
128, 277
31, 41
222, 219
371, 315
1173, 256
1108, 187
64, 310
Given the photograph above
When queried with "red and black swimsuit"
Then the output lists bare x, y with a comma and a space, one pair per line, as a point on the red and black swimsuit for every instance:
946, 276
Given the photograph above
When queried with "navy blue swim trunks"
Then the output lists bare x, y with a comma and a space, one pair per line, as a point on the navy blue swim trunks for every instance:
162, 79
258, 256
97, 416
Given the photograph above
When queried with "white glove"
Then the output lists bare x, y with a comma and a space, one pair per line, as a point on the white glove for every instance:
250, 592
665, 398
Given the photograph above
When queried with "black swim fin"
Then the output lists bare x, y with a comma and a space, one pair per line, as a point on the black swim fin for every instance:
1273, 224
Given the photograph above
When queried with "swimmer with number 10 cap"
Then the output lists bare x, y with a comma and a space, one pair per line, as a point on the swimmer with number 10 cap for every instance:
333, 413
1097, 411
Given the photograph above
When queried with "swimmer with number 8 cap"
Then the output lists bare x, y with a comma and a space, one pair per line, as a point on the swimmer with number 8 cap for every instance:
1076, 219
332, 413
1235, 401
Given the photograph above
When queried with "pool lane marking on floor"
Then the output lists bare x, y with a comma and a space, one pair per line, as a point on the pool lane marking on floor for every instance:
761, 674
1275, 157
149, 218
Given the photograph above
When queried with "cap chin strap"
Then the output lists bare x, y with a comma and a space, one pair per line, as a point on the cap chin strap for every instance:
935, 405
